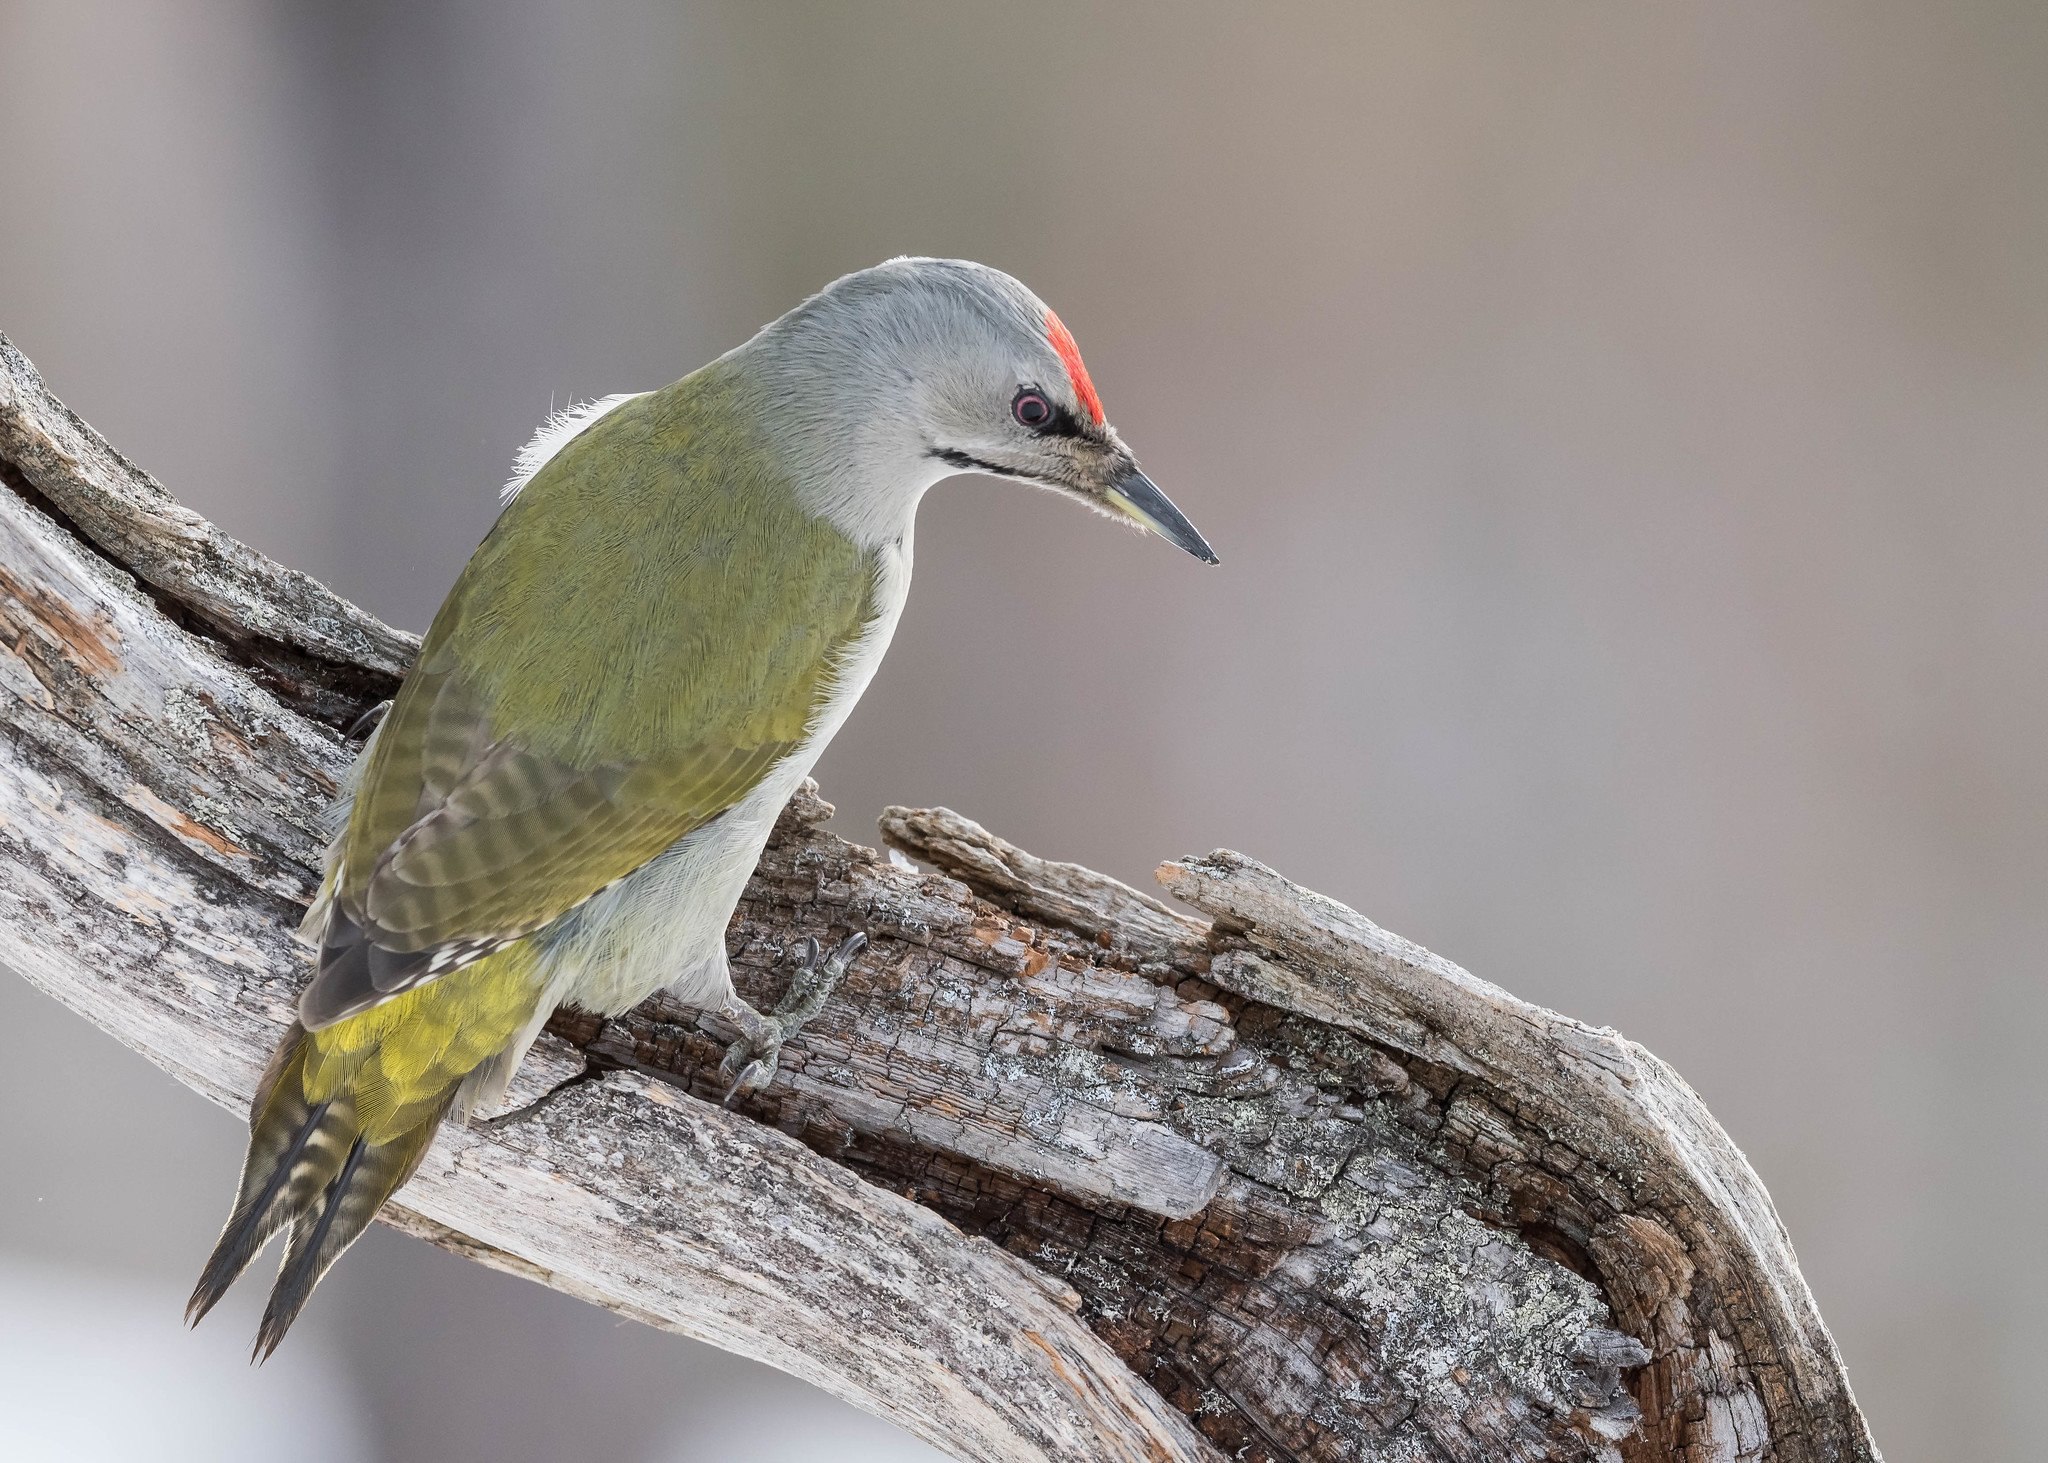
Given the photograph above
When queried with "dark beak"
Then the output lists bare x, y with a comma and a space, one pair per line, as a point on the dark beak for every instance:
1136, 497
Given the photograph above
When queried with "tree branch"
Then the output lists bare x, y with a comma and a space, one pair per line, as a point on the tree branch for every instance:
1060, 1172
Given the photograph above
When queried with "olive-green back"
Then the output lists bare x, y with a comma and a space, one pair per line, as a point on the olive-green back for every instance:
649, 628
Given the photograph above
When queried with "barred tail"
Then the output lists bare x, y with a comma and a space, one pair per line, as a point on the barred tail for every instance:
310, 1169
292, 1156
346, 1112
370, 1174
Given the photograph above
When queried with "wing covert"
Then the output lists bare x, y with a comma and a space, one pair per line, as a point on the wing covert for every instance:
584, 700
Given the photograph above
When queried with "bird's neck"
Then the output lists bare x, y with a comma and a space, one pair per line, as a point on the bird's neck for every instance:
848, 457
873, 503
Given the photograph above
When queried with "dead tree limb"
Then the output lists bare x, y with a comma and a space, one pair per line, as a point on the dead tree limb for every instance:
1060, 1174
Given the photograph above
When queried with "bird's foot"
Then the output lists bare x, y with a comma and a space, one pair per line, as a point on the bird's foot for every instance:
751, 1060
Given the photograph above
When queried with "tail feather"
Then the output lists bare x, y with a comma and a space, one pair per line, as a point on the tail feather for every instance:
291, 1143
252, 1223
370, 1174
345, 1115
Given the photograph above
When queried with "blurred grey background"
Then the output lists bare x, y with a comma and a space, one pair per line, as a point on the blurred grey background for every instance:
1622, 427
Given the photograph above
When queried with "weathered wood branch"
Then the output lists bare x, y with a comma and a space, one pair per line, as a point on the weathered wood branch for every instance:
1060, 1173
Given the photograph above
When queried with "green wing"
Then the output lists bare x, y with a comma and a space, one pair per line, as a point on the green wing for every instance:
649, 629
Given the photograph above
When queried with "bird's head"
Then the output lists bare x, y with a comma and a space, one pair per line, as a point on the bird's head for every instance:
949, 366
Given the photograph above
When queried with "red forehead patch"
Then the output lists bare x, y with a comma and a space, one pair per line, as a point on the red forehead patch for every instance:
1070, 356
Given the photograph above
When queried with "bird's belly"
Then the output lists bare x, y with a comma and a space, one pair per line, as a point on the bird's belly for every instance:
664, 924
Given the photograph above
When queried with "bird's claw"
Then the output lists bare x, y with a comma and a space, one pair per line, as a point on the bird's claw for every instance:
754, 1074
752, 1059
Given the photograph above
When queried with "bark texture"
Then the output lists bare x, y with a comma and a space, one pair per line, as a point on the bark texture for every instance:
1061, 1173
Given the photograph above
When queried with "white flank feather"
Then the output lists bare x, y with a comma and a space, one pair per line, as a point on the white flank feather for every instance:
558, 431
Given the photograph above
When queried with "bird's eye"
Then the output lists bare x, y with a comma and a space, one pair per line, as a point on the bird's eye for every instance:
1031, 409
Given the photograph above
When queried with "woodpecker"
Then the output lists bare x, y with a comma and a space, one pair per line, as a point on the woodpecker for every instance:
684, 595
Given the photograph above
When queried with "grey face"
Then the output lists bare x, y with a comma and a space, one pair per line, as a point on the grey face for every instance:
1052, 444
1019, 404
923, 360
